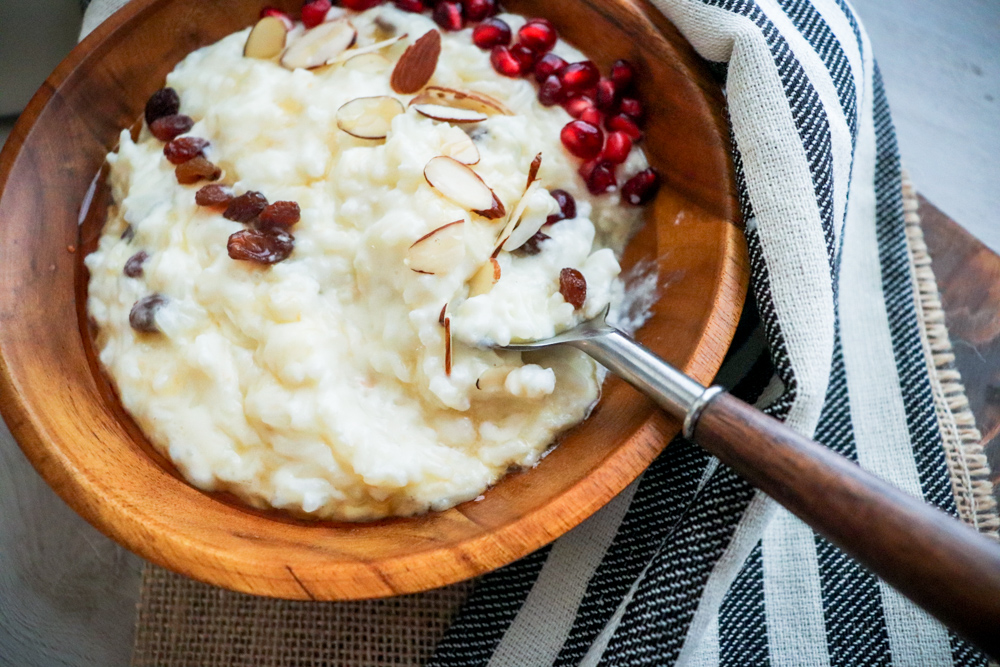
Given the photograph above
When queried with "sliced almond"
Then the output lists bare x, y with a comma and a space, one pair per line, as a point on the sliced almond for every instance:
485, 278
417, 64
536, 164
463, 186
438, 251
462, 149
507, 233
361, 50
317, 46
369, 117
449, 114
266, 39
462, 99
446, 323
493, 379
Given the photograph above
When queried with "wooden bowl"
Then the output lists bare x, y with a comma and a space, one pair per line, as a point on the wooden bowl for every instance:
69, 423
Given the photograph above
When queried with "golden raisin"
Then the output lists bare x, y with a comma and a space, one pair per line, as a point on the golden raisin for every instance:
197, 169
573, 287
170, 127
163, 102
214, 195
263, 246
181, 150
142, 317
246, 207
133, 267
280, 214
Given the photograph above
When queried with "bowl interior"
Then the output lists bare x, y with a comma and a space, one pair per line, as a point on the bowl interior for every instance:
71, 426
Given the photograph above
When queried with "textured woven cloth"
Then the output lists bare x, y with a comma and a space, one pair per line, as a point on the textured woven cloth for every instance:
691, 565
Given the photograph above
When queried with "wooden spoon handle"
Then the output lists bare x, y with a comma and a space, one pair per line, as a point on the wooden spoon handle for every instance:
944, 566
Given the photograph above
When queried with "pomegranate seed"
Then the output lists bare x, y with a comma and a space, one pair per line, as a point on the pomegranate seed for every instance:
504, 62
448, 15
578, 77
575, 106
622, 73
550, 92
538, 35
280, 214
592, 115
163, 102
491, 32
181, 150
278, 14
133, 267
548, 65
525, 56
567, 207
607, 94
314, 12
142, 317
631, 107
573, 287
412, 6
246, 207
640, 188
531, 246
599, 175
214, 196
582, 139
263, 246
167, 128
196, 169
477, 10
617, 148
360, 5
623, 123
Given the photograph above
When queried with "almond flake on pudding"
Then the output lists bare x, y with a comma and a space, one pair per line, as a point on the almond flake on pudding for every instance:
369, 117
417, 64
462, 149
316, 46
462, 186
462, 99
438, 251
449, 114
362, 50
267, 39
483, 280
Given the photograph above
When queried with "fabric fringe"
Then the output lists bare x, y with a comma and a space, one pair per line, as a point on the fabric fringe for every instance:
962, 441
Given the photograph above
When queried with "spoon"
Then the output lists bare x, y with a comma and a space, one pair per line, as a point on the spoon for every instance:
947, 568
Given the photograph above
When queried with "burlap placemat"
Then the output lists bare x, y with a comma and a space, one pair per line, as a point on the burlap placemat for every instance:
184, 623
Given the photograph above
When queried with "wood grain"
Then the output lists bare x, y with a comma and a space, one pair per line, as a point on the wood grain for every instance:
943, 565
76, 435
968, 277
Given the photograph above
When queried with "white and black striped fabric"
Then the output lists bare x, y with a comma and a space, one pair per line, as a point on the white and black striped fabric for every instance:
691, 565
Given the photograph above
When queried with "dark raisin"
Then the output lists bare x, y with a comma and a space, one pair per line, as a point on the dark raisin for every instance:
142, 317
573, 287
163, 102
246, 207
181, 150
133, 267
171, 127
197, 169
280, 214
214, 195
128, 234
567, 207
263, 246
531, 246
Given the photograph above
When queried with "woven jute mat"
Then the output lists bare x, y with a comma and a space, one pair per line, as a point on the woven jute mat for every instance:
184, 623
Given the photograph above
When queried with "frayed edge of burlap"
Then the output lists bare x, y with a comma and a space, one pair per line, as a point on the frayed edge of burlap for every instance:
967, 465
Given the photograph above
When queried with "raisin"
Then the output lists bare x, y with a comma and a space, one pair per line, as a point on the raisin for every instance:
128, 234
142, 317
246, 207
181, 150
263, 246
531, 246
133, 267
573, 287
197, 169
214, 195
170, 127
163, 102
280, 214
567, 207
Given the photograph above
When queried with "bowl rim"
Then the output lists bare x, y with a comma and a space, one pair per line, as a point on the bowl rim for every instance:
546, 522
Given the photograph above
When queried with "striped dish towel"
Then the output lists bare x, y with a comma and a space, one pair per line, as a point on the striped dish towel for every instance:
691, 565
